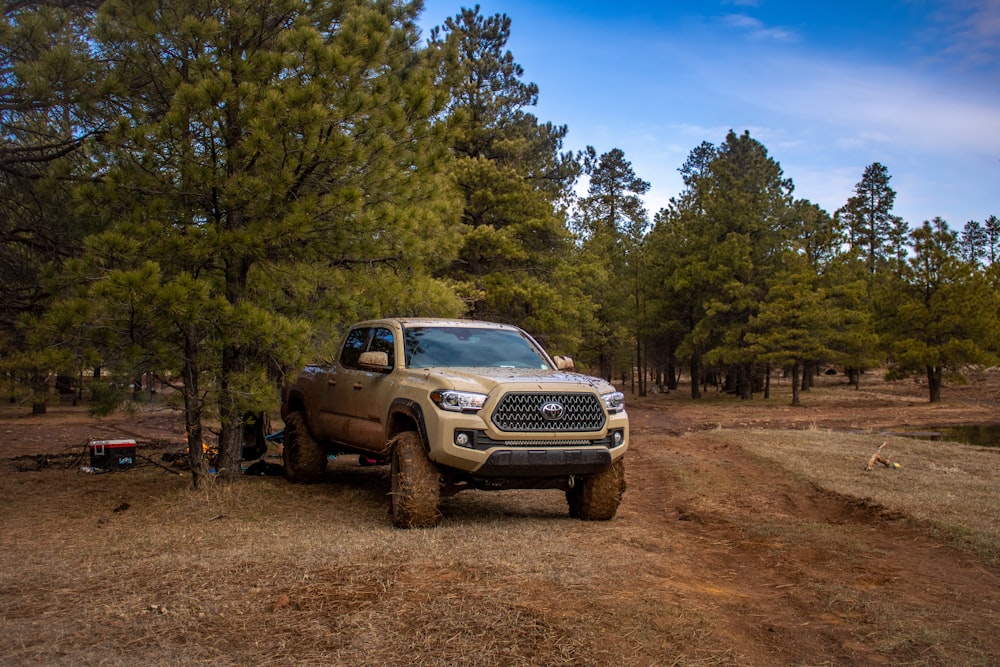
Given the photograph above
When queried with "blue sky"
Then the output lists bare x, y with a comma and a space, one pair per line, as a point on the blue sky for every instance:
827, 87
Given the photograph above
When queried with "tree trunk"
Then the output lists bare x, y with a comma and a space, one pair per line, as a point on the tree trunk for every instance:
193, 411
231, 446
41, 390
744, 382
934, 381
730, 383
695, 376
231, 417
756, 379
640, 363
234, 362
795, 383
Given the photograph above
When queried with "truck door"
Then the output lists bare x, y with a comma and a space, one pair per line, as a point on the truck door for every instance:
338, 394
369, 394
356, 394
372, 395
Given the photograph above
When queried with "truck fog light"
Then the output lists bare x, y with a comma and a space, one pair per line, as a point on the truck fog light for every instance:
462, 439
618, 438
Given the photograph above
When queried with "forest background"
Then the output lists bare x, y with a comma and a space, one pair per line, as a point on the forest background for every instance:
199, 196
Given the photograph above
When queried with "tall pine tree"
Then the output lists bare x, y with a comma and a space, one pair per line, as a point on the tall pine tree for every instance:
613, 223
676, 258
48, 83
873, 231
266, 157
515, 264
744, 229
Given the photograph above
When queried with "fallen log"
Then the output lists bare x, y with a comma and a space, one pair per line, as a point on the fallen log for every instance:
878, 458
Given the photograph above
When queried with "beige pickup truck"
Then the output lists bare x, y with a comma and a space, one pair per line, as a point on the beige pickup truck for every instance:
458, 404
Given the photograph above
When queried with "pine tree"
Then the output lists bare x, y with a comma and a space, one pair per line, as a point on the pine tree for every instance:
613, 222
853, 336
745, 229
794, 324
943, 315
869, 220
269, 161
515, 264
973, 242
992, 228
48, 81
819, 238
676, 256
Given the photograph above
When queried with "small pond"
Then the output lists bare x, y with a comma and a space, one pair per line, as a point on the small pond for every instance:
983, 435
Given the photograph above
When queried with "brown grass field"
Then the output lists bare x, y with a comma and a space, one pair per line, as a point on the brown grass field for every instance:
750, 534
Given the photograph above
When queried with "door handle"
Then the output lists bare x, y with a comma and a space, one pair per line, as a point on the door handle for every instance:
358, 386
331, 382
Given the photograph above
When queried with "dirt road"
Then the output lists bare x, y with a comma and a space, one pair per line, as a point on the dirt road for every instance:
793, 575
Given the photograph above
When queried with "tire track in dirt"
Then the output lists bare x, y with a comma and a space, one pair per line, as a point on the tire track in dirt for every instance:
789, 573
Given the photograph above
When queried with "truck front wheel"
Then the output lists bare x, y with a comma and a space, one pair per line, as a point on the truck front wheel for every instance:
304, 458
416, 484
597, 497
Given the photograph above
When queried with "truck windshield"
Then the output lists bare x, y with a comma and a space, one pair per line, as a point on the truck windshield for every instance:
454, 347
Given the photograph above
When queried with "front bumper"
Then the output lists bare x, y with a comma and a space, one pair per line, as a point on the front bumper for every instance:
544, 462
487, 452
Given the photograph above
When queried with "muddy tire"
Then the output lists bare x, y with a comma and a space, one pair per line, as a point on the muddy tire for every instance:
596, 498
304, 458
416, 484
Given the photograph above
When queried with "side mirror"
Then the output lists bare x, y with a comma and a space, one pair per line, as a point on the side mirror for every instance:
564, 363
375, 361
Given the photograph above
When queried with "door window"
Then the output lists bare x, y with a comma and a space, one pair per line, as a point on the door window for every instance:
382, 342
355, 344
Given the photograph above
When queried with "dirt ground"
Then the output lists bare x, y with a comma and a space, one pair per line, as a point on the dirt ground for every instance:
720, 556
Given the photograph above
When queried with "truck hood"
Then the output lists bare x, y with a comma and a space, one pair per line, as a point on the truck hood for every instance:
485, 379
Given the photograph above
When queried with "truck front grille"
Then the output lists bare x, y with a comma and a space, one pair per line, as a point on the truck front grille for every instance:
548, 412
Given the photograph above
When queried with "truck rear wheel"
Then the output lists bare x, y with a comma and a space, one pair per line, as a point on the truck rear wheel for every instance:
304, 458
416, 484
597, 497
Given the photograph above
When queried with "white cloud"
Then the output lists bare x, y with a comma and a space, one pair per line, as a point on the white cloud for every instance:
758, 30
867, 104
975, 32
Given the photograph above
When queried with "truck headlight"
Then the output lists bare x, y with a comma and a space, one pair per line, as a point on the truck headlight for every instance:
458, 401
614, 402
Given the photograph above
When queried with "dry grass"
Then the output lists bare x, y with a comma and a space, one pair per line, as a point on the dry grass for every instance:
268, 573
950, 486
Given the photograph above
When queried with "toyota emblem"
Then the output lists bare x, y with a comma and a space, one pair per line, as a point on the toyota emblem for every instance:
552, 410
